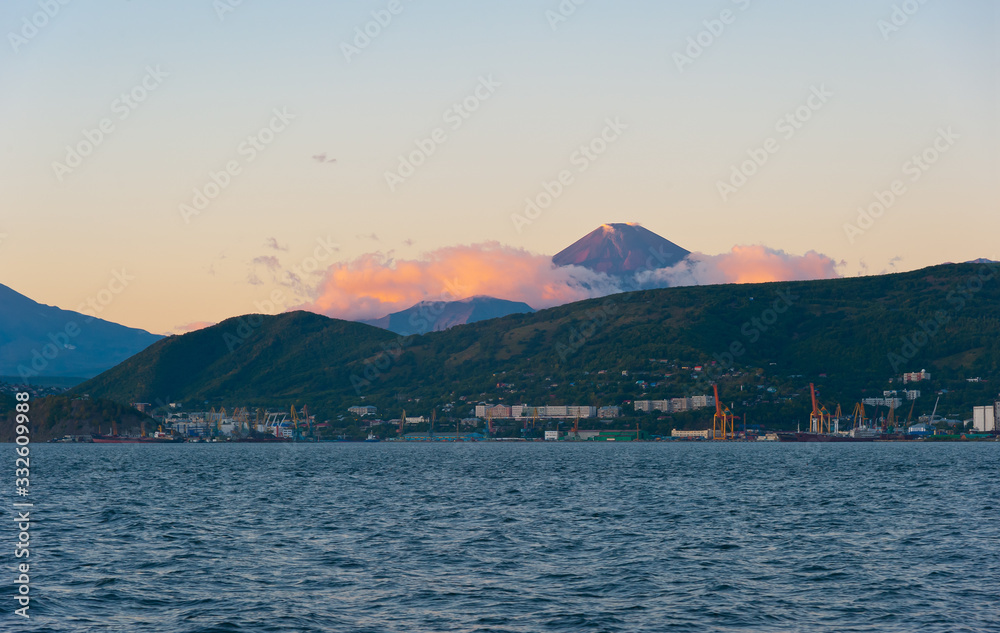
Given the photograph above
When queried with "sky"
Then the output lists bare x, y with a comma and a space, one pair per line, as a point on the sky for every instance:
200, 159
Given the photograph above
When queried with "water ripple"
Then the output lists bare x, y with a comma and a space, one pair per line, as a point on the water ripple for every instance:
516, 538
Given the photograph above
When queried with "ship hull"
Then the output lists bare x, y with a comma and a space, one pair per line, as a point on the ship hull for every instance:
120, 439
821, 437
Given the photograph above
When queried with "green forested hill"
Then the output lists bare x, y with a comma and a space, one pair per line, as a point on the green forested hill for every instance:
850, 336
56, 416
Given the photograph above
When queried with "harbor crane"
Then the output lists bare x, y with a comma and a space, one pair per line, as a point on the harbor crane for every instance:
819, 418
723, 421
858, 416
934, 411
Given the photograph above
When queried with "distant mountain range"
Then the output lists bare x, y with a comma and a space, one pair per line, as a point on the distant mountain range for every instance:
434, 316
613, 249
38, 340
849, 335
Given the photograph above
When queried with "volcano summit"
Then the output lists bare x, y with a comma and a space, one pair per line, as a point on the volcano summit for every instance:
621, 249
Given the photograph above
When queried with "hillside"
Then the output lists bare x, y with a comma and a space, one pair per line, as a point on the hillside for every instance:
841, 334
57, 416
41, 340
251, 359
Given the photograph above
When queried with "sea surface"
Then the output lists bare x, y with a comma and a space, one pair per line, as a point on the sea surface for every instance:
511, 537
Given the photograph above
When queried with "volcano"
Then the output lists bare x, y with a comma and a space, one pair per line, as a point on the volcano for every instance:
621, 249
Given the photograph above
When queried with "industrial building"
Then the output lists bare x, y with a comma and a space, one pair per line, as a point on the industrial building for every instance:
690, 435
527, 412
984, 419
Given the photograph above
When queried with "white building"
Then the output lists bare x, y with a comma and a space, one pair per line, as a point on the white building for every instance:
363, 410
493, 411
706, 434
984, 419
882, 402
675, 405
523, 411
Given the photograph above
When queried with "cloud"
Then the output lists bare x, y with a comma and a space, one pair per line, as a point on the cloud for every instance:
273, 244
321, 158
376, 284
371, 237
268, 261
273, 265
743, 264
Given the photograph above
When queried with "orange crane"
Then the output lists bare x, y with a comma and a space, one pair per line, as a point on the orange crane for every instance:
723, 418
818, 416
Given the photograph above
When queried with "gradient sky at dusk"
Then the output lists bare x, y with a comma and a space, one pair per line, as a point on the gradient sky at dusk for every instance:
890, 94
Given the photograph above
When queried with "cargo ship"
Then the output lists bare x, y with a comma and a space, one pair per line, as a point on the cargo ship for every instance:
819, 420
823, 437
262, 438
158, 438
